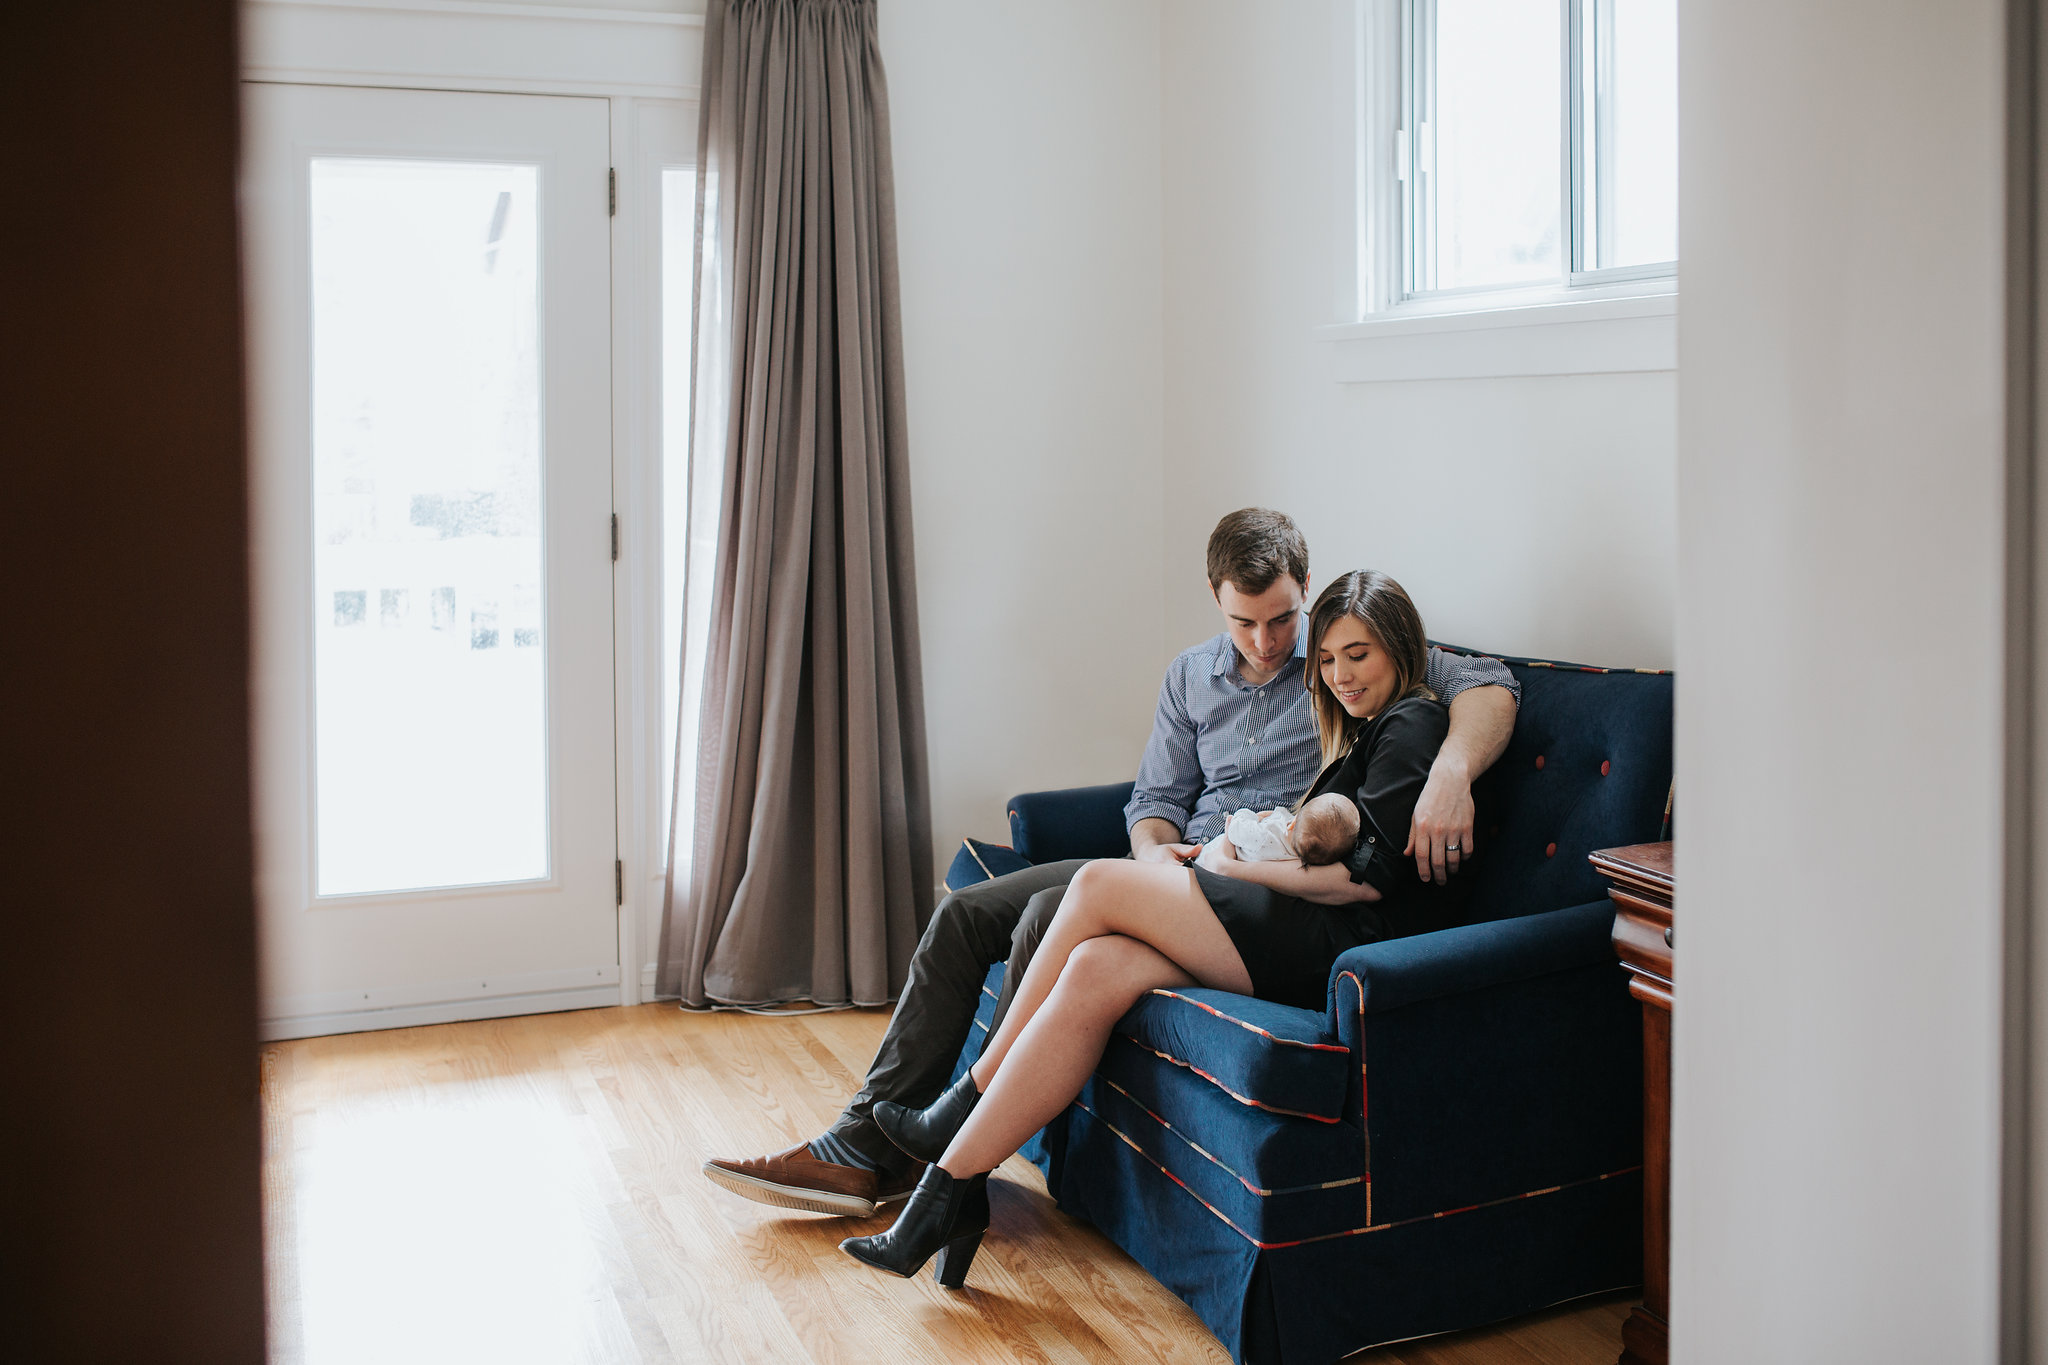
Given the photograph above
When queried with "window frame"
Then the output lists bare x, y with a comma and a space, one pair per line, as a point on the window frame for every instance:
1616, 319
1581, 175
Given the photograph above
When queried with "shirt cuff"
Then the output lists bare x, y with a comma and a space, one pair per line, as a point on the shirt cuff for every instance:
1368, 866
1483, 673
1154, 808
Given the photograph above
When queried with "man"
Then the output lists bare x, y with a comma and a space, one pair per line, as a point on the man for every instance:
1232, 730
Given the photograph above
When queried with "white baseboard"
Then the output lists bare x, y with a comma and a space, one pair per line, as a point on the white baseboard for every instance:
445, 1002
648, 995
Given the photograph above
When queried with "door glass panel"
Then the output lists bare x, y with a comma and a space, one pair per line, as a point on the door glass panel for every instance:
429, 619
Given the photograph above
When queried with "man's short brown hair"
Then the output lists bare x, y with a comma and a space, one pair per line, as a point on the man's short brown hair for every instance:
1252, 547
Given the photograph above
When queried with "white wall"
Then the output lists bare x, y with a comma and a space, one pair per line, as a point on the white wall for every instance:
1838, 743
1027, 149
1529, 516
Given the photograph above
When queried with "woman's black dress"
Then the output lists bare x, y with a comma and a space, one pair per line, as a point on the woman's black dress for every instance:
1287, 943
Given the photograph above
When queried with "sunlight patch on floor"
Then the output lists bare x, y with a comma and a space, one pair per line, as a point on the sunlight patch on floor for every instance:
437, 1229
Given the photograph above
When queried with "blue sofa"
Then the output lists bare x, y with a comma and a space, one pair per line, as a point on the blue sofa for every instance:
1456, 1138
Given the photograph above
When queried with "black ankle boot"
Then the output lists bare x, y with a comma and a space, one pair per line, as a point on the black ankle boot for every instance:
924, 1133
944, 1215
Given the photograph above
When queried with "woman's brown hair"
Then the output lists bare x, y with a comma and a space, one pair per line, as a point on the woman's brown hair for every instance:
1385, 609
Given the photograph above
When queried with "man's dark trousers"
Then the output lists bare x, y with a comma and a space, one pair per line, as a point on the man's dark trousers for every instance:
973, 929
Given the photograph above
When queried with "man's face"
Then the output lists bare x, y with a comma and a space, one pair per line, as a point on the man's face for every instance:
1263, 627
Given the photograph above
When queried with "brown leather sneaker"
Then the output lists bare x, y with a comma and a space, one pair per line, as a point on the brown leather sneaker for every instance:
794, 1179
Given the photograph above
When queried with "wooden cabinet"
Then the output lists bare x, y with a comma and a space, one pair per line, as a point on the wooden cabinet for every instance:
1641, 890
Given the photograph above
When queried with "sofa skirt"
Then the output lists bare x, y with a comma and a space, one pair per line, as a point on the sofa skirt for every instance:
1319, 1301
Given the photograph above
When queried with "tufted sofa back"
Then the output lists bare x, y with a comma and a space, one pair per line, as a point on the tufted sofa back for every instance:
1589, 767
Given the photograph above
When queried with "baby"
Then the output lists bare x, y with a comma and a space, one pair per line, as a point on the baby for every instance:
1322, 832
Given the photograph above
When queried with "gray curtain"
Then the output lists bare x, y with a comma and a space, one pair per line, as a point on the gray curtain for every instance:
806, 870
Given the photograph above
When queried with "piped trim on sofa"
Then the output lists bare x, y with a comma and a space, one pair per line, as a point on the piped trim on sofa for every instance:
1364, 1091
1241, 1099
1364, 1095
1219, 1164
975, 854
1228, 1222
1591, 668
1267, 1034
1470, 653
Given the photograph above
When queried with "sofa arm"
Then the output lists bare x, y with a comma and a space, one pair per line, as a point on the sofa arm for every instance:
1076, 822
1493, 1061
1404, 970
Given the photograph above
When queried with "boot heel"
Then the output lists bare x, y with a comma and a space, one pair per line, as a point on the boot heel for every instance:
950, 1268
944, 1216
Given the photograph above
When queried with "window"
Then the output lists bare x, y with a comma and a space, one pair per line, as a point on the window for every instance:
1536, 144
1510, 172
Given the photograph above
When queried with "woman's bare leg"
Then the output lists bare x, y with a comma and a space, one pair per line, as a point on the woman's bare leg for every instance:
1054, 1054
1154, 903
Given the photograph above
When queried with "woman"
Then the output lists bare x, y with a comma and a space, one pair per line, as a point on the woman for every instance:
1270, 929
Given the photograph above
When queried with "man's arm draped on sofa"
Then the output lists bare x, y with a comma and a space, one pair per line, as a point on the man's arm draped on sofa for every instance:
1442, 836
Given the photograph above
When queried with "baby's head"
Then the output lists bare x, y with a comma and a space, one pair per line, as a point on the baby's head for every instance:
1325, 829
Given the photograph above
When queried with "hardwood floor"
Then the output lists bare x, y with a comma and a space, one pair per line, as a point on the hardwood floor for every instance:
528, 1190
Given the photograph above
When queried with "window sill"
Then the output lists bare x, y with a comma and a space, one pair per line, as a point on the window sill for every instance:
1533, 335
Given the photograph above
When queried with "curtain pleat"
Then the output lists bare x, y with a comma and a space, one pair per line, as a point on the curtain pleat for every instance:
804, 869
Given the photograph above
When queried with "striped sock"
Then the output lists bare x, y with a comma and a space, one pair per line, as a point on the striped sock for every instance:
841, 1153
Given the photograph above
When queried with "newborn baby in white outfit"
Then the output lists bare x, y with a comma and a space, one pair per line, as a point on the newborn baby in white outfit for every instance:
1323, 831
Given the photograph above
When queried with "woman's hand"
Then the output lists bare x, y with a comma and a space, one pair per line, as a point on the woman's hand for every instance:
1330, 884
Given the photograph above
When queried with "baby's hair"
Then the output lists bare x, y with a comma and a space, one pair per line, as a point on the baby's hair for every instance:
1325, 830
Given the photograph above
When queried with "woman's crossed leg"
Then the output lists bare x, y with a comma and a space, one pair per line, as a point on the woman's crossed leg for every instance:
1124, 928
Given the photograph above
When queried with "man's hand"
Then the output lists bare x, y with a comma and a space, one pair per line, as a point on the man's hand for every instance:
1440, 839
1157, 841
1441, 836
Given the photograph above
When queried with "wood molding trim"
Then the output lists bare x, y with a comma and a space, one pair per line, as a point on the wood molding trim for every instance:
444, 45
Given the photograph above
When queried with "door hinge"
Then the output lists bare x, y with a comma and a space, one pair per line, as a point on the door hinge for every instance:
619, 882
615, 537
611, 192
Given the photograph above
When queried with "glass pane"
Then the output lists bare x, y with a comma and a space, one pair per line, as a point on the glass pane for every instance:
429, 615
1497, 159
678, 219
691, 488
1633, 216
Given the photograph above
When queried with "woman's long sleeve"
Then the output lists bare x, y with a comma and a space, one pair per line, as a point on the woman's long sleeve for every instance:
1402, 748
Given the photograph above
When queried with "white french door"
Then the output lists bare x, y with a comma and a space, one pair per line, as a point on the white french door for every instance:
428, 279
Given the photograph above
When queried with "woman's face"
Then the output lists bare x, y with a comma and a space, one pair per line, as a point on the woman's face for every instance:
1356, 670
